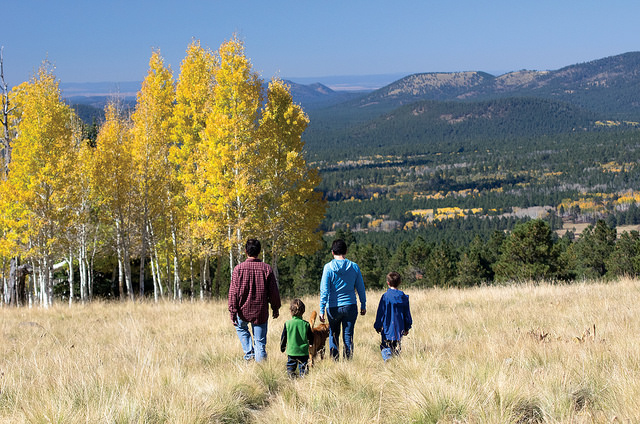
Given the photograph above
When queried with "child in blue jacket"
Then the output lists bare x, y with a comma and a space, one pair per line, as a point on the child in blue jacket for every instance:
393, 319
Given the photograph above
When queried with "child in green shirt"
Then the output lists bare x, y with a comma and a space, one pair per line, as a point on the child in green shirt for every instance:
296, 339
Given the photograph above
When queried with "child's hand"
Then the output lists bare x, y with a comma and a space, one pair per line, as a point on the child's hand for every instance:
405, 332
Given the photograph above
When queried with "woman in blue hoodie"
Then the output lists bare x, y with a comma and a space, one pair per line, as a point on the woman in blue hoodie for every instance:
341, 279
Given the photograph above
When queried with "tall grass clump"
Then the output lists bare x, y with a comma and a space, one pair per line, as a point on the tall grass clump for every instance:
511, 354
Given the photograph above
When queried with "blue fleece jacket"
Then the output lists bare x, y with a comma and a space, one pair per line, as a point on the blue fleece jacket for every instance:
393, 317
341, 278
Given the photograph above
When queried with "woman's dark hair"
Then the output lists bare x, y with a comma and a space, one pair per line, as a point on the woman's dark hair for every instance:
339, 247
297, 308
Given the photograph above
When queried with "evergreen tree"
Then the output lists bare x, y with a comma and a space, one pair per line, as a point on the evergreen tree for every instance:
527, 254
442, 266
593, 248
474, 267
625, 258
417, 262
373, 261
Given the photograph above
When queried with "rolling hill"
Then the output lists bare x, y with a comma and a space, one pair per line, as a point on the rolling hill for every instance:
429, 126
610, 85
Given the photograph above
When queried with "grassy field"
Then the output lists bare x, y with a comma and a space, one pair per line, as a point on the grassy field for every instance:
544, 353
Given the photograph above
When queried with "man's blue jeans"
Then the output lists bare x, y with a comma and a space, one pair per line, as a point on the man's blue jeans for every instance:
341, 317
253, 346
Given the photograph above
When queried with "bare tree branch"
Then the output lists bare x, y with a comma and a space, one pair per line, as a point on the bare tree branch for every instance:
6, 110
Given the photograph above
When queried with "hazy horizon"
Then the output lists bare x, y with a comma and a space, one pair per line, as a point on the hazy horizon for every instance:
112, 41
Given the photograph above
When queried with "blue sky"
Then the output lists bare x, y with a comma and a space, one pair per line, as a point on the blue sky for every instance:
112, 40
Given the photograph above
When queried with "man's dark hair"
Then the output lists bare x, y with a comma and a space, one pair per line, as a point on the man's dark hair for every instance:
339, 247
297, 308
394, 279
252, 248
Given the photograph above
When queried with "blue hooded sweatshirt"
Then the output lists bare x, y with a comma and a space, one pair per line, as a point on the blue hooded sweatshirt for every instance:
341, 278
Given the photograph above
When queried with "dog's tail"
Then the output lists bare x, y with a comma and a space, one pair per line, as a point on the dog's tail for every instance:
312, 319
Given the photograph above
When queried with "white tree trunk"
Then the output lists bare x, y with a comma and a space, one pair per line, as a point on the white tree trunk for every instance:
160, 286
229, 232
143, 252
176, 268
82, 268
155, 264
191, 296
70, 262
120, 261
155, 278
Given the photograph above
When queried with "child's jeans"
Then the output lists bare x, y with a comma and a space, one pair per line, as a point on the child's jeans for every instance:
389, 348
292, 365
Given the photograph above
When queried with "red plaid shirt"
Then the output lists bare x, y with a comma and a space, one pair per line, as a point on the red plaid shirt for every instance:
253, 288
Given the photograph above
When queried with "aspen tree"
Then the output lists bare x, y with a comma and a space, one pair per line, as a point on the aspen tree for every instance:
84, 225
11, 244
290, 209
152, 138
194, 96
42, 153
113, 182
229, 141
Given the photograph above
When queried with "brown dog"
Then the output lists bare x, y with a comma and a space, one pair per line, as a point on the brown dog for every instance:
320, 335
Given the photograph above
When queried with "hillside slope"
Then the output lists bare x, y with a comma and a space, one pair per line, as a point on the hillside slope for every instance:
432, 127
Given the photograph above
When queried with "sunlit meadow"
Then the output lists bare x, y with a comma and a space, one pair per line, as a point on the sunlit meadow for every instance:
509, 354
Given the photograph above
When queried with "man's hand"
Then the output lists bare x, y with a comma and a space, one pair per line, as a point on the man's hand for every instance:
234, 320
363, 311
275, 314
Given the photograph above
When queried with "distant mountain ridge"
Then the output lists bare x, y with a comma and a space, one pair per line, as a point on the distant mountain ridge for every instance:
97, 95
318, 95
610, 85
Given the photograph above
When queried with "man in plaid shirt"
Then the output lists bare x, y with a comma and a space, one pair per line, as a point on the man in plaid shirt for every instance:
253, 288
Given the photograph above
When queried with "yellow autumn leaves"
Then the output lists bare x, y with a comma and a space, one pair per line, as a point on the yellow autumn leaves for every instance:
203, 162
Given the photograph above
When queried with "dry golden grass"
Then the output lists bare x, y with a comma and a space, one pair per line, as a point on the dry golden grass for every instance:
486, 355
